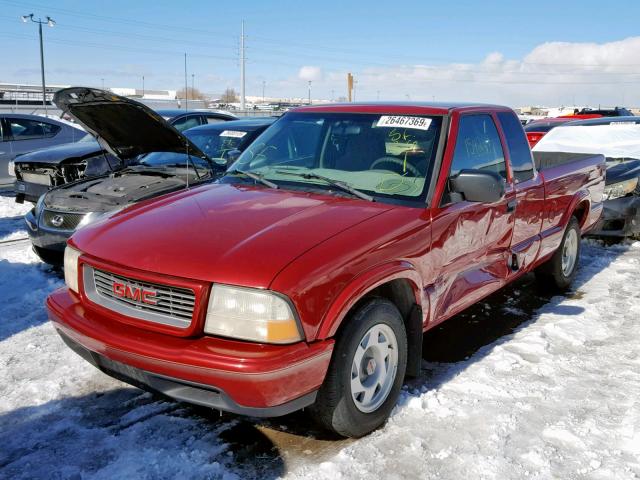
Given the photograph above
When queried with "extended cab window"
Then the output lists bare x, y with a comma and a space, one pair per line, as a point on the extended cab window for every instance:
519, 150
478, 146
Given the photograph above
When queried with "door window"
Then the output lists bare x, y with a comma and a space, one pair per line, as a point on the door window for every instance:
478, 146
23, 129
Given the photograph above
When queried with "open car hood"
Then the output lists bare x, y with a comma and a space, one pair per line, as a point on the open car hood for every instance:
124, 127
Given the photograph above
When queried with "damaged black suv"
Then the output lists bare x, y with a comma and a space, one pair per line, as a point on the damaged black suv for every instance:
158, 160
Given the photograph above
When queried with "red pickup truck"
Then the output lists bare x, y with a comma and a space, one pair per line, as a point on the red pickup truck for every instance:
307, 275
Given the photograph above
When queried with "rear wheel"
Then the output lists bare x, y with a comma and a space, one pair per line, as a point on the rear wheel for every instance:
366, 371
558, 272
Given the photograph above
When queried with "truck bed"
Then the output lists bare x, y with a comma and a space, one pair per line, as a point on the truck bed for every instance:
546, 160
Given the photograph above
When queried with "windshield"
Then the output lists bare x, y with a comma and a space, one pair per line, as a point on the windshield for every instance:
387, 156
180, 163
216, 143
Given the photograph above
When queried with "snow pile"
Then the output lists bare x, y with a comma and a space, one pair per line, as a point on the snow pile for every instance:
12, 218
557, 399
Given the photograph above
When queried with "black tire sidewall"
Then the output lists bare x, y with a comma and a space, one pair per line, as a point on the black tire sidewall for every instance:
347, 419
562, 280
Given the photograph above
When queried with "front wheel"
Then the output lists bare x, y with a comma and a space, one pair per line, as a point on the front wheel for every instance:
558, 272
366, 371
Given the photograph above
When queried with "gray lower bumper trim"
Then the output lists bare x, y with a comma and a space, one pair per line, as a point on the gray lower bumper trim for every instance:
183, 390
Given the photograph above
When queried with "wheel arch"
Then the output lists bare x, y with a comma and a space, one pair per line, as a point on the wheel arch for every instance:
399, 283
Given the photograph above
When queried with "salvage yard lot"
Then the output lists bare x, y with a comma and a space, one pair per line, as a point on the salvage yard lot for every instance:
521, 386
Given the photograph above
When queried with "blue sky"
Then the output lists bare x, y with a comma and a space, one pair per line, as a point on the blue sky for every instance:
462, 50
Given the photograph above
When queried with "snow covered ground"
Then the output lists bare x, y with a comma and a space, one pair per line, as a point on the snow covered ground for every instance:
552, 392
11, 218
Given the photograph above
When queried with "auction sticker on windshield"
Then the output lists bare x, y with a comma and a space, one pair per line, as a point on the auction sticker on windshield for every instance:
233, 133
419, 123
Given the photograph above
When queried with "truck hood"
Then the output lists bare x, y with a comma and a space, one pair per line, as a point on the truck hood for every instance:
226, 233
124, 127
56, 155
619, 171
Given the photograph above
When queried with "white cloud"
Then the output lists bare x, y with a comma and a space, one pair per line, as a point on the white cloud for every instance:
553, 73
309, 72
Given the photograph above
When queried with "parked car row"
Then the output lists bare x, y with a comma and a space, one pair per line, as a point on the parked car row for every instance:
303, 272
38, 171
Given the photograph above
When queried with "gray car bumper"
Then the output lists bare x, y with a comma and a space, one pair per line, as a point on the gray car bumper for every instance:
620, 218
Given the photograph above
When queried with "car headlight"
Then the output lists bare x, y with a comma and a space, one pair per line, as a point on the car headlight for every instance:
620, 189
251, 314
71, 257
12, 169
39, 205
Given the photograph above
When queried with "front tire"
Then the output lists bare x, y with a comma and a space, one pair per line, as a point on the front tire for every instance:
557, 273
366, 371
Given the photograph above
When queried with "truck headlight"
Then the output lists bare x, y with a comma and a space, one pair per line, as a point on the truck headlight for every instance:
12, 168
250, 314
620, 189
71, 257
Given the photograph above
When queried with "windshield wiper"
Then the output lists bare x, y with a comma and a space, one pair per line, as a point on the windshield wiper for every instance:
254, 176
334, 183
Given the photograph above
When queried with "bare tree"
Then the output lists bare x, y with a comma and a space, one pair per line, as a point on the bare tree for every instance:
194, 94
229, 96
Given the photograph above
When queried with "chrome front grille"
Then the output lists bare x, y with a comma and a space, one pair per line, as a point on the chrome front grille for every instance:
165, 304
61, 220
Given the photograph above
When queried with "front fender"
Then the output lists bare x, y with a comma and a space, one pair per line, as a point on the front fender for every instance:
364, 283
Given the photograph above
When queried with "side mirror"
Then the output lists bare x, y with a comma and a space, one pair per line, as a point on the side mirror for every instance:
478, 186
231, 156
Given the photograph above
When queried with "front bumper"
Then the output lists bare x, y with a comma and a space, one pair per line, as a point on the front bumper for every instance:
241, 377
621, 218
30, 192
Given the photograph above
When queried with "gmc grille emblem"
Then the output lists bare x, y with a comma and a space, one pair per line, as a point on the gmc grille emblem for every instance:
57, 221
137, 294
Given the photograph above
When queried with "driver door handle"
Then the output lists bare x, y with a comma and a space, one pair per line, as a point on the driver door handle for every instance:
511, 206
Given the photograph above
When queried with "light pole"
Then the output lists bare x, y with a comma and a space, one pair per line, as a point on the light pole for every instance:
309, 92
49, 21
193, 90
143, 86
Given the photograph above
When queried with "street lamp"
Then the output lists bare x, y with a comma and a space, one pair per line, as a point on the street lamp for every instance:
309, 92
49, 21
